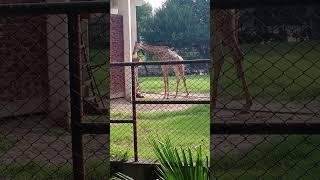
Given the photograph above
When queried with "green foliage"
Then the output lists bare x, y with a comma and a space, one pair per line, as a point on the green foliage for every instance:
180, 24
179, 164
120, 176
144, 14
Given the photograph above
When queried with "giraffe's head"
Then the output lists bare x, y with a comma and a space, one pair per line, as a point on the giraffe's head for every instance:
138, 46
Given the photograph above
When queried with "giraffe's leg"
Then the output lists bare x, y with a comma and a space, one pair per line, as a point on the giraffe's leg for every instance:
165, 87
165, 70
217, 65
177, 73
177, 88
238, 57
183, 77
168, 94
164, 80
185, 85
167, 76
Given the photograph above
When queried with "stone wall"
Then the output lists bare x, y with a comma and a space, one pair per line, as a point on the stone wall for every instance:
117, 79
24, 63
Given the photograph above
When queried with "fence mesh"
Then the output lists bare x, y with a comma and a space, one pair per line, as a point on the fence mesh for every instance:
280, 67
35, 138
183, 118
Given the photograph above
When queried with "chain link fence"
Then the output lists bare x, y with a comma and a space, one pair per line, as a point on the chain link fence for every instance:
265, 121
52, 95
150, 115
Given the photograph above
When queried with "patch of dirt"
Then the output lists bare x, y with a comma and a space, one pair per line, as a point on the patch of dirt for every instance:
124, 106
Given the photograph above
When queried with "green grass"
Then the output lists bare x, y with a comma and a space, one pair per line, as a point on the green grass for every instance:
293, 157
6, 143
41, 170
286, 70
195, 84
186, 128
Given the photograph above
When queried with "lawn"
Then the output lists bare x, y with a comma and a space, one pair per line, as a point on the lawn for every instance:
287, 157
195, 84
32, 169
95, 170
186, 128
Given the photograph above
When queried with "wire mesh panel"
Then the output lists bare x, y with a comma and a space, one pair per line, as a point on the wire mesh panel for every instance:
264, 122
38, 86
182, 116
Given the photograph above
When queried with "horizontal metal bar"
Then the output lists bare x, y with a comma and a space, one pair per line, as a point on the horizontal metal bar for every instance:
269, 111
55, 8
93, 128
242, 4
173, 102
195, 61
121, 121
241, 128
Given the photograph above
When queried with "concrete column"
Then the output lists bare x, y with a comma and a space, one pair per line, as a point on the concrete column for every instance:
124, 9
59, 93
133, 23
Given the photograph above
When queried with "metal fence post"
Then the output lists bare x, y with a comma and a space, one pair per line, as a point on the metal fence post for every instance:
134, 113
75, 93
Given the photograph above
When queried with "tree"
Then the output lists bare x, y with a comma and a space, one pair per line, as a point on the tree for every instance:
144, 14
180, 24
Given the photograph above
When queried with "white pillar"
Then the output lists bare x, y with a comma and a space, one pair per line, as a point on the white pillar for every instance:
124, 9
133, 23
127, 8
58, 64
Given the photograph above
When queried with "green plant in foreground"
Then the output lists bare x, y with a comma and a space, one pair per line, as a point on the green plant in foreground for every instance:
120, 176
178, 164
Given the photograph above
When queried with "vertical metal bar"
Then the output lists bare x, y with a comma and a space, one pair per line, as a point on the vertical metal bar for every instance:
211, 74
75, 94
134, 113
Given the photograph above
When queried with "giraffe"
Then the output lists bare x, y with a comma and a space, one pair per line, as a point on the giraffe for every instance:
224, 32
166, 54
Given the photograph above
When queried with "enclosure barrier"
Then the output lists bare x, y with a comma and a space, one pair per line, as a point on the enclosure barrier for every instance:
136, 102
262, 128
274, 133
47, 39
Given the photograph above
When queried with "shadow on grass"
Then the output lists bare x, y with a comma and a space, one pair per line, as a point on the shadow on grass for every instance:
95, 170
284, 157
